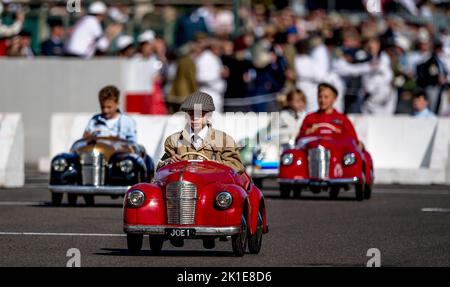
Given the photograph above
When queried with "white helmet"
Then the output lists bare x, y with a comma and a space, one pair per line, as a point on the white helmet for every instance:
97, 8
146, 36
124, 41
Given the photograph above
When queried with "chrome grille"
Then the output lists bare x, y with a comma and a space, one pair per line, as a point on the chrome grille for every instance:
92, 169
181, 199
319, 162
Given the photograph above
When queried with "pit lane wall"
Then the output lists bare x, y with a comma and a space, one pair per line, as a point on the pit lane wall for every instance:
12, 172
405, 150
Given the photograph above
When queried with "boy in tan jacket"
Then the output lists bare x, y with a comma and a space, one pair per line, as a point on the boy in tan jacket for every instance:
199, 137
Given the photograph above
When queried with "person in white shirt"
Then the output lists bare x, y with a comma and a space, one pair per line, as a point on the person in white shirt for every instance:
88, 33
308, 73
291, 116
209, 71
420, 104
382, 97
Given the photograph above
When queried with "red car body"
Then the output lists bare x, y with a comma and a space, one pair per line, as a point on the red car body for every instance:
326, 162
181, 203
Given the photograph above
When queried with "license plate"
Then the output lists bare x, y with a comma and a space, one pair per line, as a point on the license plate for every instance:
180, 232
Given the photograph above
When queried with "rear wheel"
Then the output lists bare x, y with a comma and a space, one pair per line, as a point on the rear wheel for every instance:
89, 199
72, 199
255, 240
239, 241
285, 190
156, 244
258, 182
134, 243
57, 199
334, 192
359, 192
367, 191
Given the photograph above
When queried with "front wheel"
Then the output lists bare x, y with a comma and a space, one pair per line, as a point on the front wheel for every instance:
334, 192
359, 192
239, 241
57, 199
255, 240
156, 244
297, 192
367, 191
285, 190
134, 243
89, 199
72, 199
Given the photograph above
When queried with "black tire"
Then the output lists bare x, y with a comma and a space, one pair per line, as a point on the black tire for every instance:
258, 182
297, 192
156, 244
134, 243
255, 240
209, 243
285, 190
72, 199
239, 241
334, 192
89, 199
359, 192
367, 191
57, 198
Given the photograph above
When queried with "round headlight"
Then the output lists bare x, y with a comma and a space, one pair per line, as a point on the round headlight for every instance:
136, 198
287, 159
224, 200
59, 164
126, 165
349, 159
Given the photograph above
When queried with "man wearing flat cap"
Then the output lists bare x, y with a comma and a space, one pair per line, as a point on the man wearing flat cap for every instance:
199, 136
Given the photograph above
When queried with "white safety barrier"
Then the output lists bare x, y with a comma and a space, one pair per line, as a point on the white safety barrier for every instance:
66, 128
12, 173
405, 150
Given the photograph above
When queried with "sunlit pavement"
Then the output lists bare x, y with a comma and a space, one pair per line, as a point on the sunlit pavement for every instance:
410, 226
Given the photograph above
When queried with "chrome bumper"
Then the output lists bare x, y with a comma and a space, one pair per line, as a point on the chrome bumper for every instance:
88, 189
323, 182
199, 231
264, 173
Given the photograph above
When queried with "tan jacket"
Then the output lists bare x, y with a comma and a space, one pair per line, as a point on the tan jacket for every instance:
217, 146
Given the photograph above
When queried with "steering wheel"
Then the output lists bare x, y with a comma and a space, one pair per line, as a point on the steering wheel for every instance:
195, 153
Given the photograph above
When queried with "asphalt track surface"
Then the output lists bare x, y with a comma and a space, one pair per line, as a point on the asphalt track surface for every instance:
409, 225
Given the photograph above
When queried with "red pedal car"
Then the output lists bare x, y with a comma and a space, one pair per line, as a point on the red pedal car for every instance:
326, 162
195, 199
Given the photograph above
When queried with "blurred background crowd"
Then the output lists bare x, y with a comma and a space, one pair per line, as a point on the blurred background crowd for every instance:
384, 56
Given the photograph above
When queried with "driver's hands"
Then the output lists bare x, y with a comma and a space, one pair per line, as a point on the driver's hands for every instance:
312, 129
174, 158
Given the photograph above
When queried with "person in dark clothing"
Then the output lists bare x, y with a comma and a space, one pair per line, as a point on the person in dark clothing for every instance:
270, 67
54, 45
188, 26
238, 65
432, 77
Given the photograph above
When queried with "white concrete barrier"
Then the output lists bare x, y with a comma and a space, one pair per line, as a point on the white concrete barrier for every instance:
12, 173
152, 130
405, 150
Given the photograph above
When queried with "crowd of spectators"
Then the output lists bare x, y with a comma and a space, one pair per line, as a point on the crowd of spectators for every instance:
380, 63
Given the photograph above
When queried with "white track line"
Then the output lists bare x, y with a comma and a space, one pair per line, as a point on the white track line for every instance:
435, 209
62, 234
21, 203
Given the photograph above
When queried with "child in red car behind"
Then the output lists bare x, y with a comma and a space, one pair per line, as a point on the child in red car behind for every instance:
327, 120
